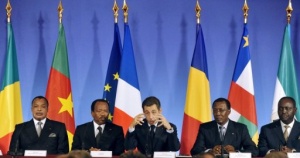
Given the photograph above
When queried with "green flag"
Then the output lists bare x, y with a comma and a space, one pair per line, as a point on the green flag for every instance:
286, 82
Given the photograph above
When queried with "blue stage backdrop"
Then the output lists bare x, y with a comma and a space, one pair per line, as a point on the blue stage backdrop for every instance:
163, 34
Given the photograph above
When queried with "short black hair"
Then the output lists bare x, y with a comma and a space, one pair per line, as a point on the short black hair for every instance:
228, 105
40, 97
150, 101
287, 98
98, 100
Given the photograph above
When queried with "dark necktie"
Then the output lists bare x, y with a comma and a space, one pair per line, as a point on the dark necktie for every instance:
150, 141
98, 136
221, 130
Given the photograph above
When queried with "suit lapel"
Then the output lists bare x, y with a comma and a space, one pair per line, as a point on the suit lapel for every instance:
46, 131
216, 132
158, 133
90, 134
230, 132
107, 130
294, 132
30, 128
278, 132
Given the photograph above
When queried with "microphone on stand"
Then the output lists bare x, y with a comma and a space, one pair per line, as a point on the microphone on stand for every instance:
222, 136
147, 150
16, 151
83, 143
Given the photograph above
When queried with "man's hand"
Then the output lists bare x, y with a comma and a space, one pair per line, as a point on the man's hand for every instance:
217, 149
138, 119
229, 148
285, 149
162, 121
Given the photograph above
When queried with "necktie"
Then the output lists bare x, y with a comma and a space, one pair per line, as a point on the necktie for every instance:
98, 136
222, 133
286, 133
150, 138
152, 131
39, 128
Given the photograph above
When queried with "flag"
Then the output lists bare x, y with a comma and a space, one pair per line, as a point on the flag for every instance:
286, 81
58, 91
112, 75
10, 94
241, 93
128, 102
197, 106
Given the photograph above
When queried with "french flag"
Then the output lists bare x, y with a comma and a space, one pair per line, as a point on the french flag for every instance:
128, 102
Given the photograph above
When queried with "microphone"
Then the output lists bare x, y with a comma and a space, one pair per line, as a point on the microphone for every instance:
147, 153
15, 152
222, 148
84, 134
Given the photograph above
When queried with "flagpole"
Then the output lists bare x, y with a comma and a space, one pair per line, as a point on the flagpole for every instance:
60, 9
245, 10
289, 10
125, 10
198, 10
8, 11
115, 10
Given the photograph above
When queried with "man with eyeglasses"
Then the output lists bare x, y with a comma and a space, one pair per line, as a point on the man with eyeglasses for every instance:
283, 134
223, 135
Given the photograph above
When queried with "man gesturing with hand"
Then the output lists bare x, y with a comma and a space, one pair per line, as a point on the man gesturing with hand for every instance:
150, 131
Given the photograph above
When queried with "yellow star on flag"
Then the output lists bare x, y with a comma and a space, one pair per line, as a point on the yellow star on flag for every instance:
67, 104
246, 41
116, 76
110, 117
107, 87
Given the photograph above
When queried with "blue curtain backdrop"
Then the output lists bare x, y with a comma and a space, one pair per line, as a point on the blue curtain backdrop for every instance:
163, 35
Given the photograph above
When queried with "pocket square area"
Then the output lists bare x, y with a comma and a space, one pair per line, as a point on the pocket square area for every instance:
52, 135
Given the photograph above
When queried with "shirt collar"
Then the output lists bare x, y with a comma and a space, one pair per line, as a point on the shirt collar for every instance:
96, 126
36, 121
291, 124
225, 125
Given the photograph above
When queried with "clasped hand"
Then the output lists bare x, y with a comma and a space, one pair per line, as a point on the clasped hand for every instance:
285, 149
218, 149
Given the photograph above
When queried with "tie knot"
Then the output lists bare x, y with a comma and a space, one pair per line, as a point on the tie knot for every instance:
152, 127
286, 126
99, 128
40, 123
221, 127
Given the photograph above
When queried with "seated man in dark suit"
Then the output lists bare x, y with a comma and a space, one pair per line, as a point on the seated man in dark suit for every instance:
151, 131
100, 134
40, 133
283, 134
223, 135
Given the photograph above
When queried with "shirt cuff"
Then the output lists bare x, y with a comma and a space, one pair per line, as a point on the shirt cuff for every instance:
130, 130
170, 130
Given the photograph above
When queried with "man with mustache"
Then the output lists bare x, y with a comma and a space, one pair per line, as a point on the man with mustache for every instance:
40, 133
151, 131
283, 134
222, 135
100, 134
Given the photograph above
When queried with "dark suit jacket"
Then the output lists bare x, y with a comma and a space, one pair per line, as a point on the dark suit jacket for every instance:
53, 137
112, 138
163, 141
236, 135
271, 137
